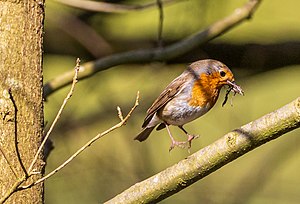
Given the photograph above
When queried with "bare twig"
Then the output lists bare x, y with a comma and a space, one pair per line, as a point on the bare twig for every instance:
212, 157
109, 7
120, 114
75, 79
89, 143
157, 54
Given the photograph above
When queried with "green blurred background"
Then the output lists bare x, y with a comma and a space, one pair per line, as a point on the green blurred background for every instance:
269, 174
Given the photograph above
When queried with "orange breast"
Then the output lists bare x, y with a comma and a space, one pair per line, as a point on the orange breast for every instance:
205, 91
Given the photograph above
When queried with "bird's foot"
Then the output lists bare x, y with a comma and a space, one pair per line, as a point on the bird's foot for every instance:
183, 144
179, 144
189, 141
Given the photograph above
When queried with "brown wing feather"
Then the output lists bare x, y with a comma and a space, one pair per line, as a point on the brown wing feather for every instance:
168, 94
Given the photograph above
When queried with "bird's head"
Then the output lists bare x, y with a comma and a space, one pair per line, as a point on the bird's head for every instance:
215, 74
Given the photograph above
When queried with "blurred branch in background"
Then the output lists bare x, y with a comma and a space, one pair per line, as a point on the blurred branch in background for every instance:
109, 7
83, 33
157, 54
256, 57
161, 21
212, 157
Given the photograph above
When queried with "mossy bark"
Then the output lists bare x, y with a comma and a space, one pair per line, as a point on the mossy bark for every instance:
21, 103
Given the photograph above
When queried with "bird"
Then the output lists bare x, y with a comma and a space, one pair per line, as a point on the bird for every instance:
188, 97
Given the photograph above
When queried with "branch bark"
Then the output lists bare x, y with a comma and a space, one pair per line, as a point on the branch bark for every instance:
157, 54
209, 159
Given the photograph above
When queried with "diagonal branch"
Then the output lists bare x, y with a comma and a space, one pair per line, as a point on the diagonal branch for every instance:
209, 159
108, 7
156, 54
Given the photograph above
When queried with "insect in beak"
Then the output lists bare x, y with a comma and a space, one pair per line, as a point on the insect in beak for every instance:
235, 88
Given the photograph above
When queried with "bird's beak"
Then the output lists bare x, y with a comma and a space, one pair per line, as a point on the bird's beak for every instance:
235, 88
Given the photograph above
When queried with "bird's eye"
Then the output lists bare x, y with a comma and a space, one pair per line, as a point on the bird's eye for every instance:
222, 73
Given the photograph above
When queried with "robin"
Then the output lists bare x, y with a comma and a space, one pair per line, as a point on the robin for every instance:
189, 96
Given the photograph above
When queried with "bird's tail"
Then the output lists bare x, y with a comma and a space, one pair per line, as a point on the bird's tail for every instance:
144, 134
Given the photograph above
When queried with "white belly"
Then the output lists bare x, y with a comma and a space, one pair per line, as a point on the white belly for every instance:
179, 112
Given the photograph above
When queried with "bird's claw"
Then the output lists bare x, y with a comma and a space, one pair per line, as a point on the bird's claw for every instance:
178, 144
189, 141
184, 145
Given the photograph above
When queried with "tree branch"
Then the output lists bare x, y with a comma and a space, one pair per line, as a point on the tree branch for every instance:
108, 7
156, 54
209, 159
253, 56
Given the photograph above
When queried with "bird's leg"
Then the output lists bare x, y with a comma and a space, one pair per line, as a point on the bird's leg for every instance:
190, 137
174, 142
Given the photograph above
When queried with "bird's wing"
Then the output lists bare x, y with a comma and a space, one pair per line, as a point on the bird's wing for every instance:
168, 94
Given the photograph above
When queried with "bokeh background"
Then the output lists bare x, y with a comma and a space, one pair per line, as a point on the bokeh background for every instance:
269, 174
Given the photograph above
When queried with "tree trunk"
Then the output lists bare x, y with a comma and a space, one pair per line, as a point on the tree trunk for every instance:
21, 103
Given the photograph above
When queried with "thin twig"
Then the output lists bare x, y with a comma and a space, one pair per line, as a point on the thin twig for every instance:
89, 143
161, 21
109, 7
120, 114
8, 162
77, 67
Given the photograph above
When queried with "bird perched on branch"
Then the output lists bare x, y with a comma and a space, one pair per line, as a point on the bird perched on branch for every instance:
189, 96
